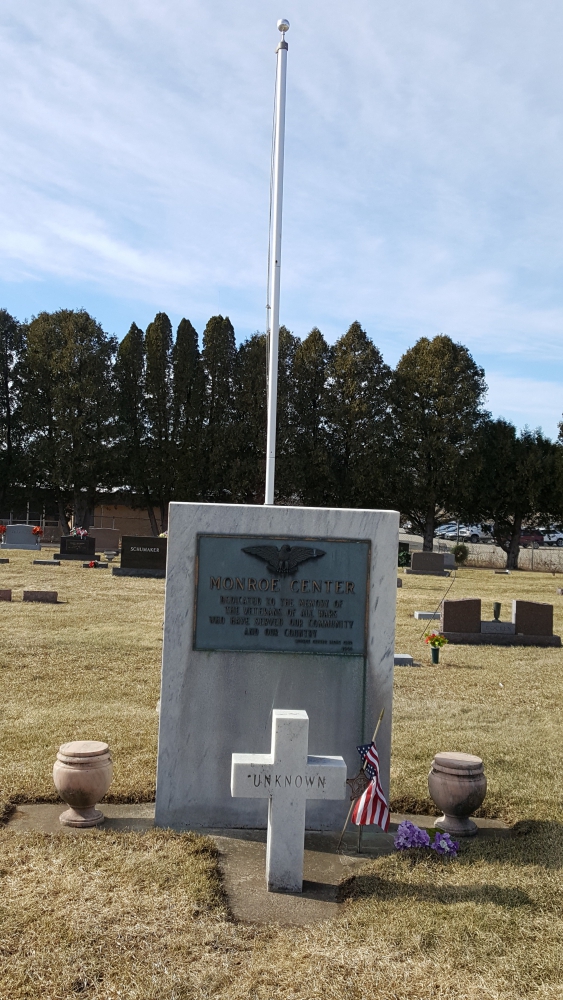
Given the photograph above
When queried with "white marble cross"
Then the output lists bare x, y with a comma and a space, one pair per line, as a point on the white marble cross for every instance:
287, 777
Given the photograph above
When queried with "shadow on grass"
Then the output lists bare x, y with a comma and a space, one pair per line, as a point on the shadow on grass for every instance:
443, 895
531, 842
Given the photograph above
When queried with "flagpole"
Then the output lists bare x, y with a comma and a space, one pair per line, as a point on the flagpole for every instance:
275, 264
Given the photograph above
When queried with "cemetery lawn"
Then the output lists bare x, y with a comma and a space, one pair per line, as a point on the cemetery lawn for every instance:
89, 668
110, 915
142, 916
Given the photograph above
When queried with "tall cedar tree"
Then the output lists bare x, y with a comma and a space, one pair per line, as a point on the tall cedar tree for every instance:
11, 344
218, 438
285, 487
188, 388
437, 394
307, 416
68, 409
520, 483
132, 444
158, 385
357, 406
250, 421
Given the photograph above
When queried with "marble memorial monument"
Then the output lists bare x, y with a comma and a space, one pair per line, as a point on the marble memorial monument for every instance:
270, 607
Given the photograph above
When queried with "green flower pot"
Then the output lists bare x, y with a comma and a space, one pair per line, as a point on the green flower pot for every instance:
435, 650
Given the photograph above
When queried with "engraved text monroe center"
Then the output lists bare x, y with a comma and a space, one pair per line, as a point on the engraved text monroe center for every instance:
294, 607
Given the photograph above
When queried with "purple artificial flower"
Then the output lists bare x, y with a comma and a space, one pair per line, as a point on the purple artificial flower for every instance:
443, 844
408, 835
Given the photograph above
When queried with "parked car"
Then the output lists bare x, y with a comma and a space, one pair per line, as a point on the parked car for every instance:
552, 537
473, 533
531, 536
445, 529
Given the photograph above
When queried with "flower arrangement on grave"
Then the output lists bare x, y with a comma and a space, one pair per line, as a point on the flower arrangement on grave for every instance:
79, 532
37, 530
92, 563
409, 836
436, 640
2, 529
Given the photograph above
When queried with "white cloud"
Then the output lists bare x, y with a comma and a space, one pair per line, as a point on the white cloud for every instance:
424, 158
515, 398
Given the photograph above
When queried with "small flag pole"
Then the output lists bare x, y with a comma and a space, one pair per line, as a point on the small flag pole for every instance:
363, 767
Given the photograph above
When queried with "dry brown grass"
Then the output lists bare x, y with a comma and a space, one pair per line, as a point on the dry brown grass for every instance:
90, 668
110, 916
502, 703
141, 916
87, 668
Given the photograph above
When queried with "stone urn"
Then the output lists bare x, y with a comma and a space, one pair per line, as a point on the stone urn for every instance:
82, 774
458, 785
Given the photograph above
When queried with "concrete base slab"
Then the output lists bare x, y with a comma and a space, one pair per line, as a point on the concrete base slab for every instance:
421, 572
427, 615
243, 858
403, 660
157, 574
500, 639
43, 817
46, 562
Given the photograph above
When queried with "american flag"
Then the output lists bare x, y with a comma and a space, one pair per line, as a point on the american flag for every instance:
372, 806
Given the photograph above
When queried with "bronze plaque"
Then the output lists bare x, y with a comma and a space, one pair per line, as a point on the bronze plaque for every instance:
282, 594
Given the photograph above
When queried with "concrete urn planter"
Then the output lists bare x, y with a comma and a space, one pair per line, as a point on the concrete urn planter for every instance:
458, 785
82, 774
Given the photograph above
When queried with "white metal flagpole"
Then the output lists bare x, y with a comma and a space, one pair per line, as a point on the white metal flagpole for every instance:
275, 263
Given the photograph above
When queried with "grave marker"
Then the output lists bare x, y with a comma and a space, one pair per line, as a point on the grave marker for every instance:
287, 777
307, 620
41, 596
5, 595
77, 547
142, 555
427, 564
20, 536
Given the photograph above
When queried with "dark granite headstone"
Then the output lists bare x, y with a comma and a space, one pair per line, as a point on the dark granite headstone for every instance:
461, 616
532, 618
75, 547
142, 555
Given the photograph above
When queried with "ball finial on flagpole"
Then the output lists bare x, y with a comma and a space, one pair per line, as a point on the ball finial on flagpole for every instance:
283, 25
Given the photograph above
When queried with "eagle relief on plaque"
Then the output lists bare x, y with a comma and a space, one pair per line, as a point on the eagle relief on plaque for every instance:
280, 595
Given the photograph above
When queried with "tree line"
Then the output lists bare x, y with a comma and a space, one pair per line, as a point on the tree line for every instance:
158, 417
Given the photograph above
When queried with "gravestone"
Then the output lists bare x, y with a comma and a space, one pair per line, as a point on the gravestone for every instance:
427, 564
532, 618
41, 596
142, 556
107, 538
286, 778
5, 595
461, 616
20, 536
77, 547
268, 607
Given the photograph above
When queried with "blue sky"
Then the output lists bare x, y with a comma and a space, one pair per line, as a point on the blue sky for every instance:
424, 158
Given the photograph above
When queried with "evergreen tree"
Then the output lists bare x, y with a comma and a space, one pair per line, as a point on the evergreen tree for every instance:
68, 409
310, 470
519, 483
436, 408
357, 403
11, 344
218, 444
249, 428
286, 490
188, 385
158, 389
132, 444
